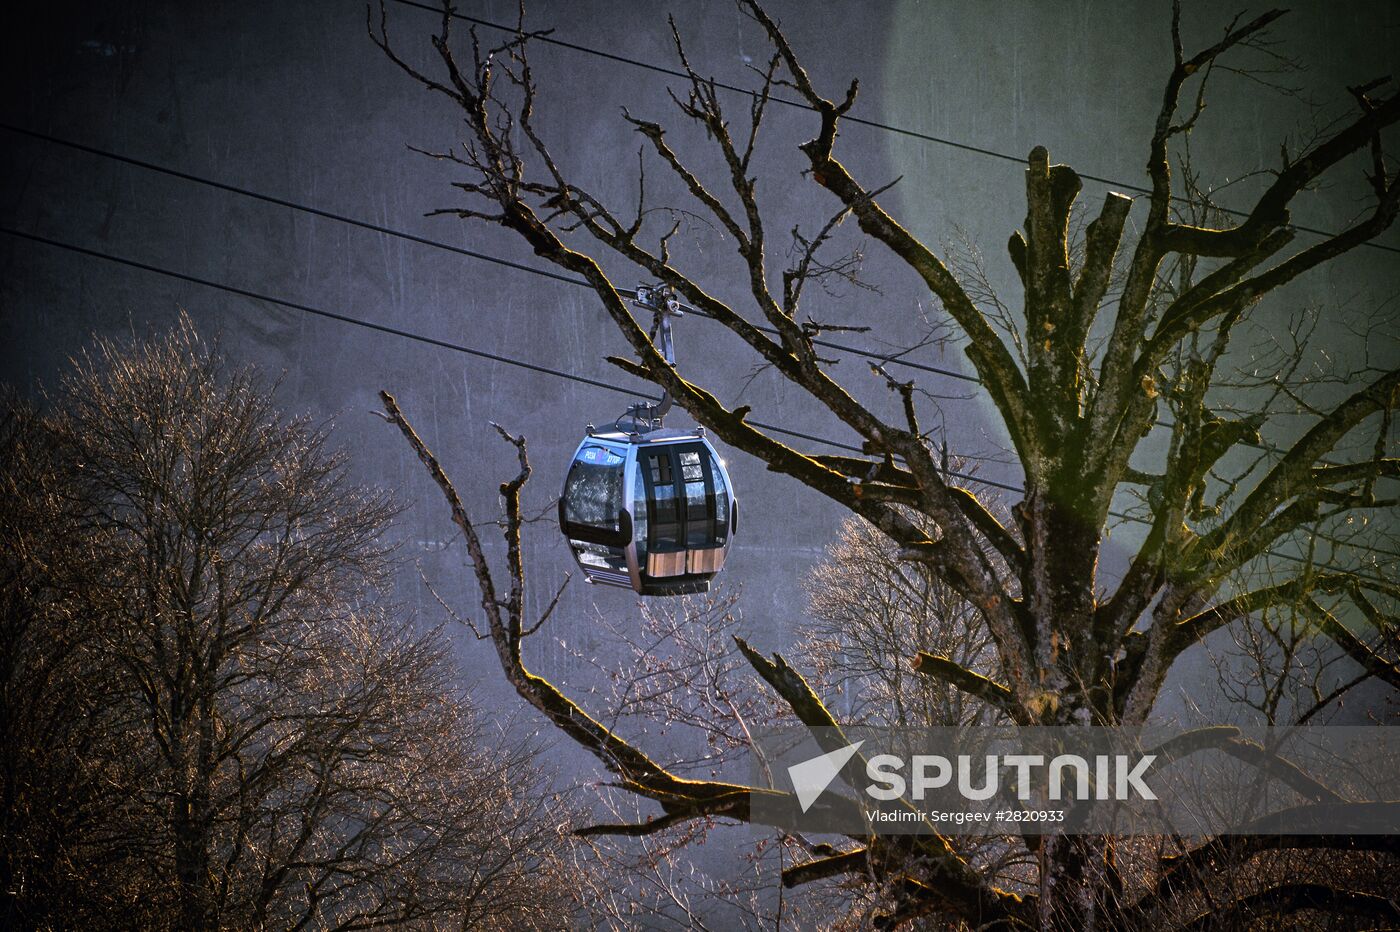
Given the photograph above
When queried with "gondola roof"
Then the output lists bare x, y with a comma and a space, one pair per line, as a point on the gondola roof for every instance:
660, 435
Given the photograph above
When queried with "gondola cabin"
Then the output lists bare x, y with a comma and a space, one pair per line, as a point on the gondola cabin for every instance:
653, 512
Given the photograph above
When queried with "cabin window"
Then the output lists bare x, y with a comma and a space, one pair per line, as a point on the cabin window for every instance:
593, 492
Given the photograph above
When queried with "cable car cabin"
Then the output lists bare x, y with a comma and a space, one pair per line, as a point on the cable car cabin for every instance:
652, 512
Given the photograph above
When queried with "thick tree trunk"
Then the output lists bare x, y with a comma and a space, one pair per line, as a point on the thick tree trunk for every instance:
192, 824
1062, 546
192, 861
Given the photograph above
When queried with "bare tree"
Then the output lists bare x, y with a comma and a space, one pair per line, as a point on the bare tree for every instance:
1135, 339
213, 719
871, 612
57, 705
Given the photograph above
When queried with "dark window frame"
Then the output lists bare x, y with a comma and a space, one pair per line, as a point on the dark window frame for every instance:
672, 457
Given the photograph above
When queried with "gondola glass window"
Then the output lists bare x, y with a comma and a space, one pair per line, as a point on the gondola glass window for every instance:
723, 508
665, 513
640, 522
593, 493
698, 522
